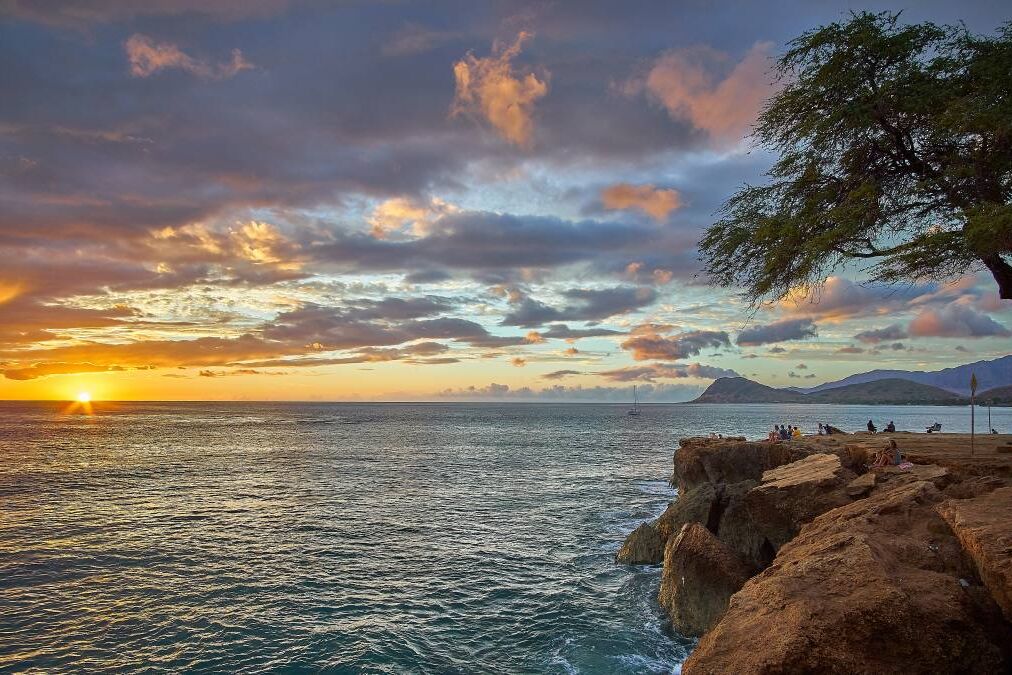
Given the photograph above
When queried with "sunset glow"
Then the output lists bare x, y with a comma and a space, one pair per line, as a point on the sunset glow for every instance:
507, 208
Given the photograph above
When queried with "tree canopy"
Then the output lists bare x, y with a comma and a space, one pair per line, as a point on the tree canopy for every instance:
895, 148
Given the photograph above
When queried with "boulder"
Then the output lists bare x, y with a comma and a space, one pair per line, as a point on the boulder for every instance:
791, 495
700, 575
983, 526
873, 586
861, 485
643, 546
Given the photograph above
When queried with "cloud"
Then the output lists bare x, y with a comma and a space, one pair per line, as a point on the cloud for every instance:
850, 349
655, 202
658, 393
518, 361
588, 305
779, 331
956, 320
147, 57
686, 83
488, 88
649, 342
395, 214
559, 374
893, 332
665, 371
560, 331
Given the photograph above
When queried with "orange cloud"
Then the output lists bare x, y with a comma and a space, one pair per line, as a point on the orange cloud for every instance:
683, 82
655, 202
397, 213
487, 87
147, 57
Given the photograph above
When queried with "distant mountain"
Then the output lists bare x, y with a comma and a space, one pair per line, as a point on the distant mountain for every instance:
997, 396
892, 391
990, 374
744, 390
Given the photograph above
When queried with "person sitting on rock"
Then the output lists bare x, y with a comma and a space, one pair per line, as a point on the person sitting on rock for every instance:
891, 456
871, 427
821, 429
784, 434
891, 427
795, 433
773, 435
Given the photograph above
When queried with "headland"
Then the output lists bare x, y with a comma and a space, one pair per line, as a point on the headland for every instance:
795, 556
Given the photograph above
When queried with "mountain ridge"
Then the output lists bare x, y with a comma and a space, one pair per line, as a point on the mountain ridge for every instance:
990, 374
886, 391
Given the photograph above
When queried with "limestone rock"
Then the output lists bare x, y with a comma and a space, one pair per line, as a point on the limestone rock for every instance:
983, 526
643, 546
793, 494
700, 575
869, 587
861, 485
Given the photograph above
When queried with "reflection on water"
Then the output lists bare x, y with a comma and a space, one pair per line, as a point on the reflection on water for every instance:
377, 538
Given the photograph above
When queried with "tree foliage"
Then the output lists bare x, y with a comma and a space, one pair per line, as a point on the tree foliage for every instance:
895, 148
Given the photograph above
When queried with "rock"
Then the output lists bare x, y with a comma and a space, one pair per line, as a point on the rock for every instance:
939, 475
974, 486
692, 506
983, 526
869, 587
700, 575
704, 460
735, 529
643, 546
793, 494
861, 485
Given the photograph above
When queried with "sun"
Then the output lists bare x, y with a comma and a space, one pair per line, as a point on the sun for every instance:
84, 397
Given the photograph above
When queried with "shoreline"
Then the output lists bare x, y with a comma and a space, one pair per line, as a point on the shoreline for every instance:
794, 556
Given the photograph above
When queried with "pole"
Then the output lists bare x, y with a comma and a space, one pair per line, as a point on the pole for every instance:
973, 391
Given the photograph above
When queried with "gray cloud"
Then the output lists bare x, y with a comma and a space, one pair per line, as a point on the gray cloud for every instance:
779, 331
893, 332
588, 305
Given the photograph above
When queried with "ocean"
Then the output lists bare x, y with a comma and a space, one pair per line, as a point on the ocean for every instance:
379, 538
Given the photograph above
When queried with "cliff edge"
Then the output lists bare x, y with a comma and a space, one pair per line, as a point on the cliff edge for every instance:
793, 557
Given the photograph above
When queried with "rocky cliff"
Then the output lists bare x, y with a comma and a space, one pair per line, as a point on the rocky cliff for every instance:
793, 557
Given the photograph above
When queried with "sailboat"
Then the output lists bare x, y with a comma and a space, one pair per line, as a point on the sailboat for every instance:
635, 410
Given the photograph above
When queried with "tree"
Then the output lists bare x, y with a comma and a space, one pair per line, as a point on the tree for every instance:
895, 148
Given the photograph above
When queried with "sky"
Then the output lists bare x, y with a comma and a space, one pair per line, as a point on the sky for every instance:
271, 199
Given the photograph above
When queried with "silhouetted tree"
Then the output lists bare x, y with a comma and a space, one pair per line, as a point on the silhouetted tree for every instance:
895, 146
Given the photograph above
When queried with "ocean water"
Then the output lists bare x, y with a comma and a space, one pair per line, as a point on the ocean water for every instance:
388, 538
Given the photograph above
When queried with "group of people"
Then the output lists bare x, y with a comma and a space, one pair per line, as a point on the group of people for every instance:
783, 432
890, 428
